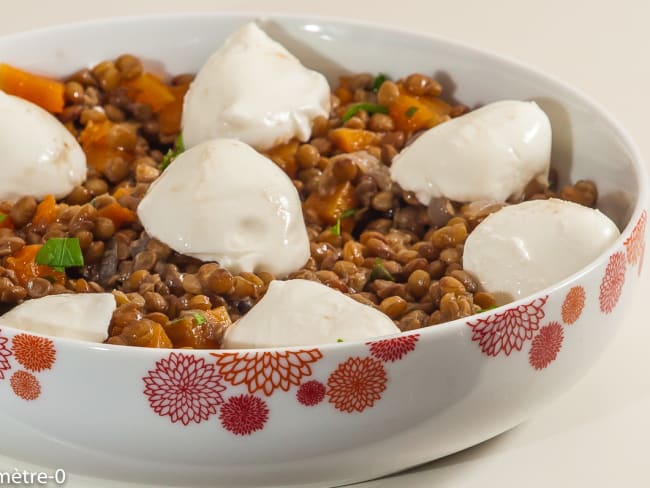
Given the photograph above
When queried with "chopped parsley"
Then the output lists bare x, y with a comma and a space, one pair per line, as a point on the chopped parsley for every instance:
379, 80
199, 318
486, 309
410, 112
173, 153
379, 272
339, 340
3, 217
336, 228
60, 253
371, 108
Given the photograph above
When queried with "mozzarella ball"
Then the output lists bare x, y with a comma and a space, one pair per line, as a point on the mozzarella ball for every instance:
38, 155
524, 248
254, 90
223, 201
302, 312
82, 316
491, 153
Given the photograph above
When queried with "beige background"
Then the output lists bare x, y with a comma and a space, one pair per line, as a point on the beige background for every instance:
597, 434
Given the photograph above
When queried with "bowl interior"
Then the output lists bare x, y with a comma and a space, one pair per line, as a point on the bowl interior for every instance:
586, 143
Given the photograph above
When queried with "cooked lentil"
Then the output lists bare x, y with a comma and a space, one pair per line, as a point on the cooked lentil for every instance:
169, 300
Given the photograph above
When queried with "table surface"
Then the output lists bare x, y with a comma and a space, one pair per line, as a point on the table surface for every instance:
595, 435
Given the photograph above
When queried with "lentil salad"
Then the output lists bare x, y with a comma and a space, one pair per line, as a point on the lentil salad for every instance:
368, 238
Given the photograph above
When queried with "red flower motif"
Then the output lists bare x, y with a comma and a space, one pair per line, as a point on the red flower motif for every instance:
5, 353
612, 283
33, 352
636, 242
266, 371
311, 393
356, 384
546, 344
393, 349
185, 388
508, 330
573, 304
25, 385
244, 414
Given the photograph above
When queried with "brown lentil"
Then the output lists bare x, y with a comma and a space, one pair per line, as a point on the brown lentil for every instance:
129, 66
388, 93
23, 211
10, 244
38, 287
393, 306
107, 75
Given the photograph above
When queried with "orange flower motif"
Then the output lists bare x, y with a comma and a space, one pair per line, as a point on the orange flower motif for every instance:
33, 352
573, 304
612, 284
636, 242
266, 371
25, 385
546, 345
356, 384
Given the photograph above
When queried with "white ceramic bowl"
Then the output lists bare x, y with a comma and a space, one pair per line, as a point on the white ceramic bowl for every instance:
323, 415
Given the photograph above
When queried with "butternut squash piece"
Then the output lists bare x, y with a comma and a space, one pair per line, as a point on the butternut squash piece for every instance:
44, 92
329, 207
351, 140
150, 90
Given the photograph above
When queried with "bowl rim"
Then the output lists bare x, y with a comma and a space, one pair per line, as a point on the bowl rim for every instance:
429, 332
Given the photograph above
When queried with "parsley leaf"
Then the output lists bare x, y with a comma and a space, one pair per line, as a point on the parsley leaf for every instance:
486, 309
379, 272
371, 108
199, 317
379, 80
172, 154
339, 340
346, 214
60, 253
3, 217
410, 112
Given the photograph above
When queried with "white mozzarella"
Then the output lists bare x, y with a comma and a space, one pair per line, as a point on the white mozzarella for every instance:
526, 247
38, 156
491, 153
223, 201
254, 90
302, 312
83, 316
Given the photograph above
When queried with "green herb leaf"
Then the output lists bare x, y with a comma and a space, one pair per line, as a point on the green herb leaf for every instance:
379, 272
199, 317
371, 108
410, 112
346, 214
486, 309
339, 340
172, 154
379, 80
3, 217
336, 228
60, 253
